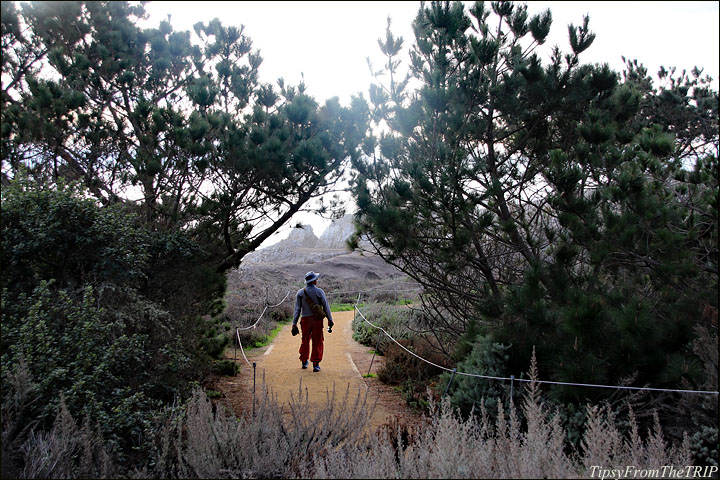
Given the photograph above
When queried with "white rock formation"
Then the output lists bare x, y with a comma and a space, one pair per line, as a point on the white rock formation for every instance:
302, 237
336, 234
285, 251
302, 246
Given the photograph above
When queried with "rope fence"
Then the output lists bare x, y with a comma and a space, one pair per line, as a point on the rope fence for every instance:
512, 378
237, 333
454, 371
254, 325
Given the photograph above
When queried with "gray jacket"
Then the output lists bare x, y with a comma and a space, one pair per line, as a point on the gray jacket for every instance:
302, 305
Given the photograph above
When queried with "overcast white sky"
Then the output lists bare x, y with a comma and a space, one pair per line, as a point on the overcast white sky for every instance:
328, 42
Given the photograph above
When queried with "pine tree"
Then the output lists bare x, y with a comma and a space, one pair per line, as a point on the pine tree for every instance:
185, 128
547, 201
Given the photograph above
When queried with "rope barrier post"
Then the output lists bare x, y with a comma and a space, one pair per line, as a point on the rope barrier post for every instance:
512, 384
377, 345
254, 365
451, 379
235, 345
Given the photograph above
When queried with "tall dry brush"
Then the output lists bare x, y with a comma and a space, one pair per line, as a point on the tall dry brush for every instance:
299, 440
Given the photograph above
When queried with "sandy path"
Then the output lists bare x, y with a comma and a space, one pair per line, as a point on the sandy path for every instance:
342, 361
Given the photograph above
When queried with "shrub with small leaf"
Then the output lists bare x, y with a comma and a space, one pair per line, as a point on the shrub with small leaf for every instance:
226, 367
466, 393
395, 320
89, 310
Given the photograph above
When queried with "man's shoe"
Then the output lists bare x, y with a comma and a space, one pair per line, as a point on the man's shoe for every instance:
316, 367
305, 364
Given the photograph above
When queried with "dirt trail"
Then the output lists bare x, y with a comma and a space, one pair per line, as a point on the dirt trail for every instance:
343, 360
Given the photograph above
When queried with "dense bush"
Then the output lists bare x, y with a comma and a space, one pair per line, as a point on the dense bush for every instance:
88, 355
215, 336
83, 311
478, 354
468, 393
413, 376
397, 321
226, 367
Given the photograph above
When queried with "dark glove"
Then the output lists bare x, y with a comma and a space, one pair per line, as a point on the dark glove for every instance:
294, 330
330, 325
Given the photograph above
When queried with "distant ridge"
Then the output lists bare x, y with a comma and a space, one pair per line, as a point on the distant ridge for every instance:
302, 246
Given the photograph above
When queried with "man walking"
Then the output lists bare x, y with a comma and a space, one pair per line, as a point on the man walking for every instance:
311, 325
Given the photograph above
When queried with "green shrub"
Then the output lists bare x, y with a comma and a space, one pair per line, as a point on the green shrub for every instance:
215, 336
87, 306
485, 358
465, 343
226, 367
215, 345
395, 320
98, 361
365, 334
57, 234
405, 301
704, 446
213, 394
217, 306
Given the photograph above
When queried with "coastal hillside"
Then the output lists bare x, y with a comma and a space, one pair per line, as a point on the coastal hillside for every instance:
304, 247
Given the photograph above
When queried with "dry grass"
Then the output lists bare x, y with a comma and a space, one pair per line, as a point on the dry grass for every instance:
451, 447
208, 442
328, 443
67, 451
204, 440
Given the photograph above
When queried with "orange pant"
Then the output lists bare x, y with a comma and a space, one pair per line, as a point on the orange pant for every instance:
312, 329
